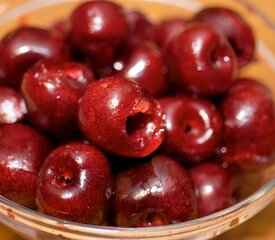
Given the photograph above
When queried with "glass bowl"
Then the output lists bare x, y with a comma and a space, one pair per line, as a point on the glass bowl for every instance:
257, 188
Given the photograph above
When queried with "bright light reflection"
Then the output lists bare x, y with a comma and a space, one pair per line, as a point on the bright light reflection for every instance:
6, 111
25, 49
196, 46
208, 189
137, 69
244, 114
49, 86
113, 103
67, 195
83, 178
96, 24
150, 128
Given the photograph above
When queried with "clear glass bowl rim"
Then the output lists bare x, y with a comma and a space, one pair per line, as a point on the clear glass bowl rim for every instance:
256, 201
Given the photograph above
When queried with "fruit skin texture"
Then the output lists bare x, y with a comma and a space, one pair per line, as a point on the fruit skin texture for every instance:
23, 47
51, 91
12, 106
168, 29
119, 117
213, 187
140, 27
99, 29
22, 151
75, 183
154, 193
144, 64
200, 61
194, 128
234, 28
249, 118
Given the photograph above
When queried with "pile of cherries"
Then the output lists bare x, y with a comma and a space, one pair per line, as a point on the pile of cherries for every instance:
107, 118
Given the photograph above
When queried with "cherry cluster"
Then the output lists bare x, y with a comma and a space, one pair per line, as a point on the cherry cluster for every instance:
108, 118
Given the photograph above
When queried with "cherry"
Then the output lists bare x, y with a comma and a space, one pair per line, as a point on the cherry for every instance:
201, 61
213, 187
194, 128
141, 28
75, 183
118, 116
168, 29
145, 65
23, 47
98, 29
249, 118
51, 91
22, 151
12, 106
234, 27
153, 193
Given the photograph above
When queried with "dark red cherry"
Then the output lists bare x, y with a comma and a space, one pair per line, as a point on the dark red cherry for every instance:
144, 64
141, 27
213, 187
51, 91
98, 29
235, 29
23, 47
12, 106
22, 151
194, 128
75, 183
60, 29
118, 116
249, 117
168, 29
154, 193
200, 60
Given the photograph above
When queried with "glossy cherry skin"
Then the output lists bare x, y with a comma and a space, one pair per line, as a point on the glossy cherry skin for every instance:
23, 47
98, 29
235, 29
194, 128
75, 183
213, 187
145, 65
249, 117
140, 26
153, 193
168, 29
118, 116
22, 151
201, 61
12, 106
51, 91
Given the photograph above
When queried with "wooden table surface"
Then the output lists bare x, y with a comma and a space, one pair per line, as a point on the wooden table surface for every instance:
261, 226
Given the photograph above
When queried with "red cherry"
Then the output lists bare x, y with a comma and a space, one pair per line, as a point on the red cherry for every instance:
12, 106
22, 151
154, 193
99, 29
141, 28
249, 117
144, 64
194, 128
235, 29
118, 116
213, 187
75, 183
23, 47
201, 61
51, 91
168, 29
